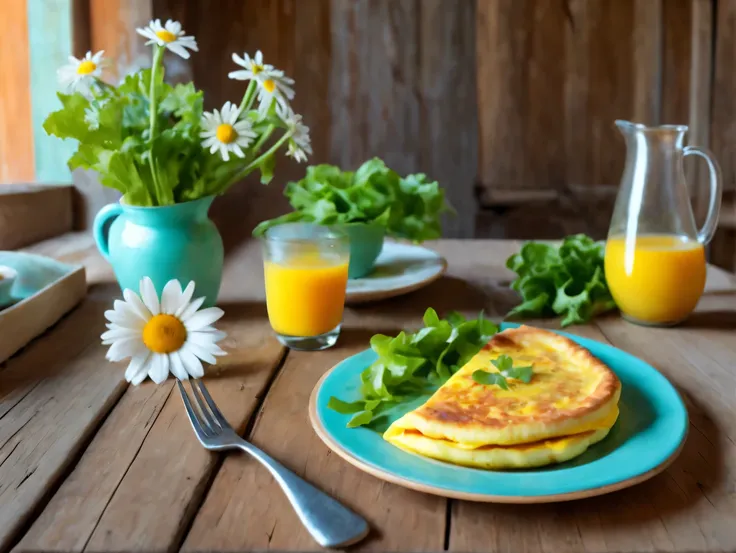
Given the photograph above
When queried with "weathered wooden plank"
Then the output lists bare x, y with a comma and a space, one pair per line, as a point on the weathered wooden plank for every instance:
29, 213
567, 70
149, 492
685, 56
112, 29
53, 397
69, 519
16, 130
449, 149
312, 53
521, 55
701, 93
647, 36
723, 123
375, 110
723, 247
88, 197
610, 77
76, 248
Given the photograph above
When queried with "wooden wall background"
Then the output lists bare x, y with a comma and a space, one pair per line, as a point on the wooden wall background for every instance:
509, 103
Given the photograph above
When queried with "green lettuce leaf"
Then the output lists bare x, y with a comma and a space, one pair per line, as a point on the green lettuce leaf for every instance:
408, 207
568, 280
411, 365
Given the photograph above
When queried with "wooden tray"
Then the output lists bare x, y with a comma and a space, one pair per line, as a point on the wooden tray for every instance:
46, 289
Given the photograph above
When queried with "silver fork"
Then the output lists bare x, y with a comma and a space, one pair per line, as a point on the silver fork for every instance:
329, 523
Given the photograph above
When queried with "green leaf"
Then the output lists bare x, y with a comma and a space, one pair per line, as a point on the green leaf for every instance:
293, 217
490, 379
408, 207
520, 373
345, 408
503, 363
567, 280
267, 167
359, 419
184, 101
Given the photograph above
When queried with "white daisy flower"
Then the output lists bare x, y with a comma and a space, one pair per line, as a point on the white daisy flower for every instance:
253, 68
162, 337
78, 75
223, 132
300, 145
275, 88
169, 35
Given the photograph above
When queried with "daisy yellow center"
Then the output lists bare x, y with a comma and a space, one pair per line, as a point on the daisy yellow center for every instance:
226, 133
86, 67
164, 334
257, 69
269, 85
166, 36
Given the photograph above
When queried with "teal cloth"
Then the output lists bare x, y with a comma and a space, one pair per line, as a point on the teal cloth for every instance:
35, 273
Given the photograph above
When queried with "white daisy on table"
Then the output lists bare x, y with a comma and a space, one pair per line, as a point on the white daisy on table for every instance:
224, 131
275, 88
170, 35
300, 144
79, 74
253, 68
162, 337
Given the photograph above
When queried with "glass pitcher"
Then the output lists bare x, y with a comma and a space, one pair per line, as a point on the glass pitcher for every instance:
655, 257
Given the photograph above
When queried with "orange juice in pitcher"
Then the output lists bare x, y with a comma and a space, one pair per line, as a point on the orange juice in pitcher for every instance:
655, 258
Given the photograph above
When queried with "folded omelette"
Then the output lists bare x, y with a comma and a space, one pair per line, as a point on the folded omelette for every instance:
570, 403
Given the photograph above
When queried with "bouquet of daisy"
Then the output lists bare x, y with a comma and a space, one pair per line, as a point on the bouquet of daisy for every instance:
155, 143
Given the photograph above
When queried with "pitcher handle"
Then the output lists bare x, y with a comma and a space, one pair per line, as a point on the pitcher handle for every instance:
706, 233
110, 211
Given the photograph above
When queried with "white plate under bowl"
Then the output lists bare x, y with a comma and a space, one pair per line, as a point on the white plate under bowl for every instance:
401, 268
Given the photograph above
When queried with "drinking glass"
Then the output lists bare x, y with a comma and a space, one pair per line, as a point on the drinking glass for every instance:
305, 268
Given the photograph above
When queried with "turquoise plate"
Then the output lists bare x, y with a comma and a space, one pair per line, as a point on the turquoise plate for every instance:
647, 437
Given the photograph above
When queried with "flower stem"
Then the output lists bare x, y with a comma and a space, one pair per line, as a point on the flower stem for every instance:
256, 162
265, 136
248, 96
158, 53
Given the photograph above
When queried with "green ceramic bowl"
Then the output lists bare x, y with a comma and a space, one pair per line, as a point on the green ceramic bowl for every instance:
366, 242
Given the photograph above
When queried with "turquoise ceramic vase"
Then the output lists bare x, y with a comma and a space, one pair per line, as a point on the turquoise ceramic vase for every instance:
170, 242
366, 243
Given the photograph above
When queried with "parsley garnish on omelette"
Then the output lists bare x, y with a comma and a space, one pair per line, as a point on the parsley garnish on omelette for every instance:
506, 369
412, 365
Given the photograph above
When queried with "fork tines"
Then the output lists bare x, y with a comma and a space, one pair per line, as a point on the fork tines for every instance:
206, 418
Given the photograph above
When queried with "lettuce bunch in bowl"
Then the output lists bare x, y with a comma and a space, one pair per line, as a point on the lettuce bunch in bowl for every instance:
407, 207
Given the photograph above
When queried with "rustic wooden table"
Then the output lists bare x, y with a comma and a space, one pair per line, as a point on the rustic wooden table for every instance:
88, 463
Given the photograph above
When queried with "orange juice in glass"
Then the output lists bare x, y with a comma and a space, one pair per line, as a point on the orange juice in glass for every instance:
305, 268
655, 256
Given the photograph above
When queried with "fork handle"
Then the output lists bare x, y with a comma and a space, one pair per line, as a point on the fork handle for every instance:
330, 523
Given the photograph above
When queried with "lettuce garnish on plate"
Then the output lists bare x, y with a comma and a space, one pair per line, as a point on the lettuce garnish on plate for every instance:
408, 207
566, 280
414, 364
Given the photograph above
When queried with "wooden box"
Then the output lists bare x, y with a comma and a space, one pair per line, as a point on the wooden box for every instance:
45, 296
